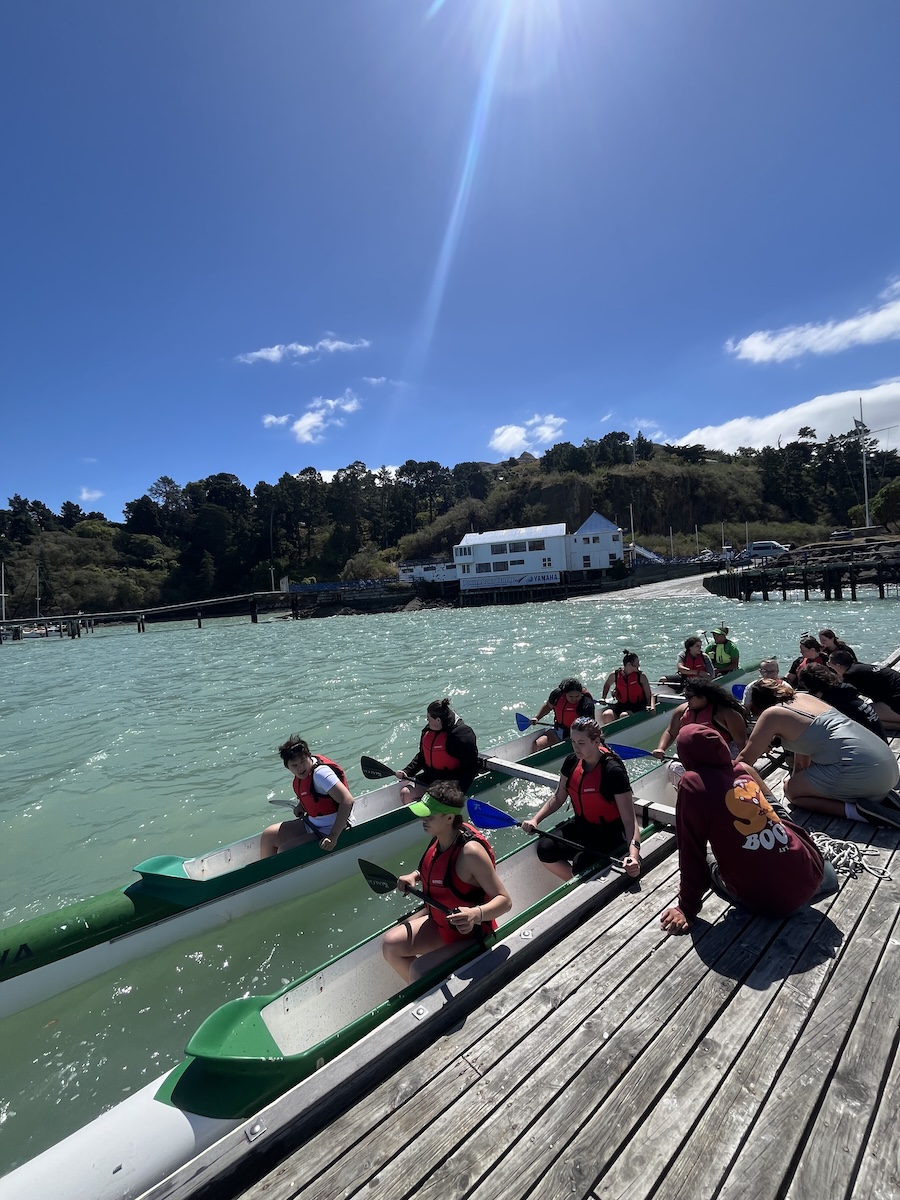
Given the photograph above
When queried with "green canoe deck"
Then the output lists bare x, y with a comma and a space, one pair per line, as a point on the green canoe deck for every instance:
757, 1058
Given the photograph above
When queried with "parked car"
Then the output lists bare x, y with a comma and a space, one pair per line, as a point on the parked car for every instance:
742, 559
766, 549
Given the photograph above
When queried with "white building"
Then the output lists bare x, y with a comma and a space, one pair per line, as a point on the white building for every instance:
537, 554
428, 572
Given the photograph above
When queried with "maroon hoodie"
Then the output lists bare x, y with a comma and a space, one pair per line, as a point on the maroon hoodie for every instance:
771, 866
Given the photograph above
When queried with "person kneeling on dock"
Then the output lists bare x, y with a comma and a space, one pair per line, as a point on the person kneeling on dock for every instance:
597, 783
757, 858
323, 805
840, 768
458, 871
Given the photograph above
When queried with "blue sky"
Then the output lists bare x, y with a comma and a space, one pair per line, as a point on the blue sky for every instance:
258, 236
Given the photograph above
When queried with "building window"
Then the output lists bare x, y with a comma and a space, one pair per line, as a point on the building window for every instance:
517, 562
516, 547
596, 539
466, 568
612, 559
537, 544
586, 562
587, 541
498, 548
547, 562
501, 566
482, 568
462, 551
615, 537
450, 567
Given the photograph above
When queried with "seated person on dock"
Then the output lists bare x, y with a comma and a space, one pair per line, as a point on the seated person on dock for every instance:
826, 685
756, 858
840, 769
706, 703
724, 654
323, 805
447, 750
810, 652
880, 684
831, 642
632, 688
597, 783
566, 702
457, 870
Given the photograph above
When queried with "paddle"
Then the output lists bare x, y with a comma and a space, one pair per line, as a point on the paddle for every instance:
488, 817
373, 769
630, 751
523, 723
282, 803
382, 881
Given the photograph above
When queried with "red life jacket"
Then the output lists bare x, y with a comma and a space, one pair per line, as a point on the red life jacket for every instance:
694, 662
313, 803
440, 882
564, 713
434, 750
629, 689
584, 792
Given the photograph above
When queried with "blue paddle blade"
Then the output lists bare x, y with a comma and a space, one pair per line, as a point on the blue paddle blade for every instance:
738, 689
629, 751
487, 817
522, 722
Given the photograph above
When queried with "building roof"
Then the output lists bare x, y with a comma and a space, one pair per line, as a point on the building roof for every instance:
506, 535
597, 524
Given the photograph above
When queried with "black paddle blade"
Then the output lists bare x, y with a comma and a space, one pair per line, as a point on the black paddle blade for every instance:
378, 879
373, 769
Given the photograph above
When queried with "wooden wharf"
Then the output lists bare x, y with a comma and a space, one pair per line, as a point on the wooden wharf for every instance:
754, 1058
832, 580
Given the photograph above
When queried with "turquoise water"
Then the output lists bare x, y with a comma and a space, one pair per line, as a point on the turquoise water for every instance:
119, 746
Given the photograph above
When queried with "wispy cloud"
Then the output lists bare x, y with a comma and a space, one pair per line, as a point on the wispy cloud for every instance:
533, 435
295, 350
269, 420
322, 413
868, 327
89, 460
88, 494
829, 415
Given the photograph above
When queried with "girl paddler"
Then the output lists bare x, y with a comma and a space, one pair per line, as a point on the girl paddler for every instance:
458, 870
596, 782
447, 750
323, 805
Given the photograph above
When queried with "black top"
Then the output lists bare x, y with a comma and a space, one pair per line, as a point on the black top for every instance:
461, 744
847, 700
878, 683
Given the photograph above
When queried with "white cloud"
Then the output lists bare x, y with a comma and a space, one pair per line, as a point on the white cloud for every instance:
606, 417
89, 460
295, 350
865, 329
269, 420
374, 380
321, 413
534, 435
88, 494
829, 415
328, 475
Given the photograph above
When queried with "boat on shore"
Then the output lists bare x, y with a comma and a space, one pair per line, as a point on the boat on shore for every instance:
351, 1013
176, 898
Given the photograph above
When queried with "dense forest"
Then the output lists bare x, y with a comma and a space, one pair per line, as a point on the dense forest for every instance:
216, 537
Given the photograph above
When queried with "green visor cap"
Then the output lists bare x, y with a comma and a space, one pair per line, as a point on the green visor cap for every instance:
427, 806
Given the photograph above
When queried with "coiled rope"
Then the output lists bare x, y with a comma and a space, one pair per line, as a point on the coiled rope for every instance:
848, 858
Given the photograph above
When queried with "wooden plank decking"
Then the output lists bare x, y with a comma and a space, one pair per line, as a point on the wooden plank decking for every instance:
755, 1058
